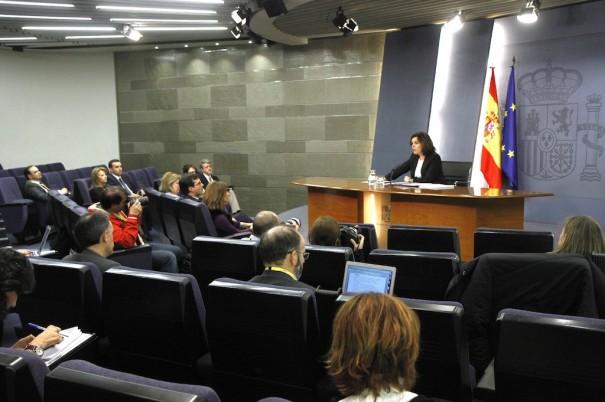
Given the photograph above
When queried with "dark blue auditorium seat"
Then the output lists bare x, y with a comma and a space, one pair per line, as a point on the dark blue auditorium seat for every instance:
265, 339
420, 274
490, 240
544, 357
21, 376
156, 323
79, 380
423, 238
16, 209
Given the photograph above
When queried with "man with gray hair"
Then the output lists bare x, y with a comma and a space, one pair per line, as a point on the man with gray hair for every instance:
94, 234
282, 250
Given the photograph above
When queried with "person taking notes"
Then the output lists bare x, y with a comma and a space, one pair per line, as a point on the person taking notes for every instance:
17, 277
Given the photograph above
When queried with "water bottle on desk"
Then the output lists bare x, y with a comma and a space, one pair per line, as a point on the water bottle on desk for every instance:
372, 179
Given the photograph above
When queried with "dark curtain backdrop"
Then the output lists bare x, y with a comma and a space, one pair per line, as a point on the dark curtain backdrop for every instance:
406, 88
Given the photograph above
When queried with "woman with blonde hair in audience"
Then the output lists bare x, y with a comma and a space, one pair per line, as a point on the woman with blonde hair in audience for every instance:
581, 235
170, 184
216, 198
98, 183
375, 344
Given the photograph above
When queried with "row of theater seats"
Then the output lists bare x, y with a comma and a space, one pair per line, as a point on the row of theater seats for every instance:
266, 339
146, 178
44, 168
423, 275
486, 240
269, 341
66, 212
180, 220
24, 217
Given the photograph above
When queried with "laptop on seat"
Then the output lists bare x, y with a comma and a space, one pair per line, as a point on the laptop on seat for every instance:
40, 252
364, 278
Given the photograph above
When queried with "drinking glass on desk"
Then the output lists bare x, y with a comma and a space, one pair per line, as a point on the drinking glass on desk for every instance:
380, 182
372, 179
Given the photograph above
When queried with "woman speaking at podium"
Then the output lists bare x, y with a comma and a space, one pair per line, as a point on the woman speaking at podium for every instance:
424, 164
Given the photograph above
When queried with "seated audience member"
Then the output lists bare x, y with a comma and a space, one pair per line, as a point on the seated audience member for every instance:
216, 198
581, 235
325, 231
282, 250
34, 188
164, 257
94, 234
115, 179
191, 187
233, 206
375, 344
170, 184
206, 172
17, 277
263, 221
98, 183
188, 168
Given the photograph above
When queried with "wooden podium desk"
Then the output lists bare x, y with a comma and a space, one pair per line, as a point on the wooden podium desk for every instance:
467, 208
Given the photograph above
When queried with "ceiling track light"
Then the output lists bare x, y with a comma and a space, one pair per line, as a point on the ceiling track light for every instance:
131, 34
529, 13
240, 15
236, 31
455, 23
346, 25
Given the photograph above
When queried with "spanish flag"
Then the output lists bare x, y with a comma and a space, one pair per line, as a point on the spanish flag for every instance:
492, 139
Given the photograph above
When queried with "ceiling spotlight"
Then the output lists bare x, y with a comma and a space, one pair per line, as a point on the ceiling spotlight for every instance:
455, 23
346, 25
131, 33
236, 31
529, 13
240, 15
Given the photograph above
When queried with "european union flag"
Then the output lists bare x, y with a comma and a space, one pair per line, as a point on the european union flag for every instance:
509, 135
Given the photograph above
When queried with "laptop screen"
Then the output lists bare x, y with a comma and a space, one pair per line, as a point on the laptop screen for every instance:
361, 278
40, 250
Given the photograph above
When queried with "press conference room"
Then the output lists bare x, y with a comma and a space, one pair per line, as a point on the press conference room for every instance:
297, 97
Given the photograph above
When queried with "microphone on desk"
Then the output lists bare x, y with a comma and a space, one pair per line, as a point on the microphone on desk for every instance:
390, 175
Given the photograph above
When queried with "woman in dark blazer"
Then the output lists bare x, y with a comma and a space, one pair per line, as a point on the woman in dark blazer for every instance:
216, 198
424, 164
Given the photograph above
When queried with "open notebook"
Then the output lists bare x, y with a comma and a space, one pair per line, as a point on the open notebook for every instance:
72, 338
362, 278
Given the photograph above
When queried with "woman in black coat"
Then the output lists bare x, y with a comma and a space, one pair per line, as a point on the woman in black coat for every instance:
424, 164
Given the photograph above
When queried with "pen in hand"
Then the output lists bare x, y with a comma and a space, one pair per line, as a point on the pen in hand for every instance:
41, 328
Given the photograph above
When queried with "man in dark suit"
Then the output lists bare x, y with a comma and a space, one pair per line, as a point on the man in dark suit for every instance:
94, 234
34, 188
191, 187
114, 178
206, 172
283, 252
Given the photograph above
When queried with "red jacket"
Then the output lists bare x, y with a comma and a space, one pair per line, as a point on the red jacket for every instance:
125, 229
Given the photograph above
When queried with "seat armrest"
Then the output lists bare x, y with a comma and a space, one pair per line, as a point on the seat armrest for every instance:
136, 257
18, 202
486, 387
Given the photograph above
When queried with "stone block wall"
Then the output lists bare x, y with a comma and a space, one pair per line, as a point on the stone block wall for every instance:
264, 116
